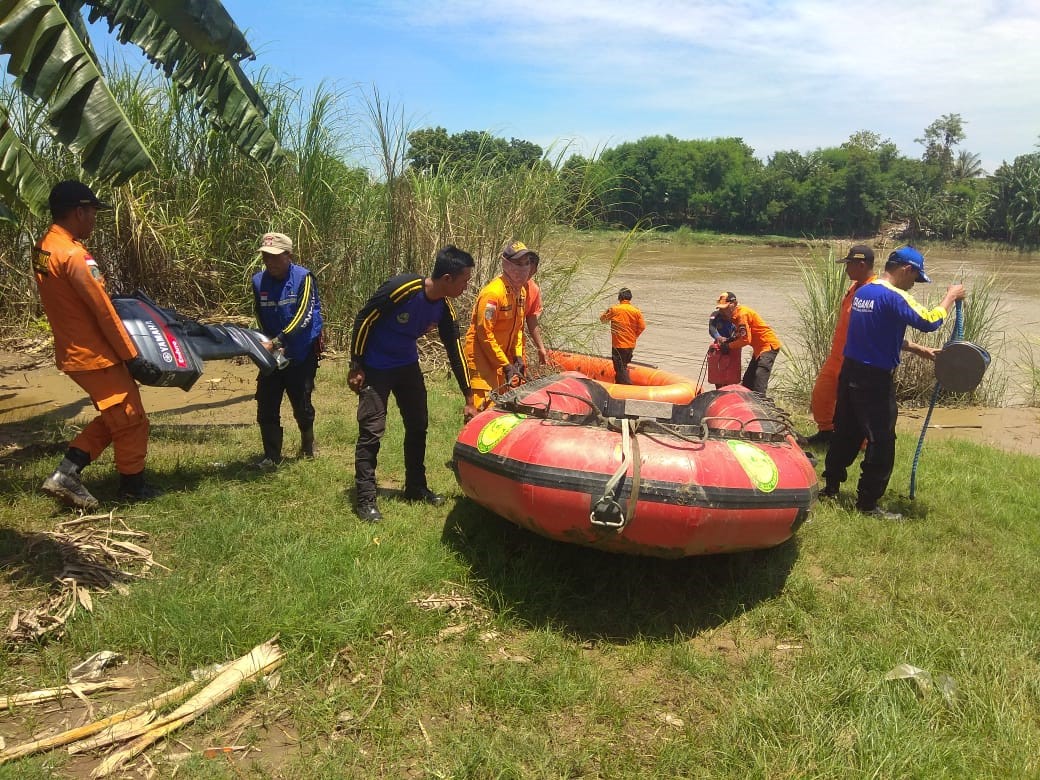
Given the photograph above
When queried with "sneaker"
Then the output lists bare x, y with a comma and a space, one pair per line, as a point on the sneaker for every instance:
828, 493
69, 490
266, 464
424, 496
820, 438
880, 514
369, 512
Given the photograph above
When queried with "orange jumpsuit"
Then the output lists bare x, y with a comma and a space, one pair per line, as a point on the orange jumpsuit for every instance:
825, 389
91, 346
495, 337
626, 323
752, 329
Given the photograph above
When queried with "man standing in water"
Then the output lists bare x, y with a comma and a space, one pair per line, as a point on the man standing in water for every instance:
626, 325
384, 359
92, 347
750, 328
866, 406
494, 341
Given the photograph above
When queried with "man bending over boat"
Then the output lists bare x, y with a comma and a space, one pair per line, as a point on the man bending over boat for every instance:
495, 339
384, 359
626, 325
750, 328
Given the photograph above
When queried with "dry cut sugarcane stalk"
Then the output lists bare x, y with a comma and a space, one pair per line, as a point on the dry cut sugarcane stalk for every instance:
50, 694
82, 732
260, 660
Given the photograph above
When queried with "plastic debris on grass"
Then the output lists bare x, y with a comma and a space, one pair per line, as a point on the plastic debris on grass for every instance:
925, 683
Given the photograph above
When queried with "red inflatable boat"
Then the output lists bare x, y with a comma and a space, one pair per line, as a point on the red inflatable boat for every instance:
561, 457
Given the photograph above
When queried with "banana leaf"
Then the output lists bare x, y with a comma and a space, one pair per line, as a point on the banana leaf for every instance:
205, 25
53, 67
20, 180
220, 87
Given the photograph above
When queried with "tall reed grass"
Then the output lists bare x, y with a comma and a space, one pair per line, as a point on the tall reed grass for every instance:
187, 233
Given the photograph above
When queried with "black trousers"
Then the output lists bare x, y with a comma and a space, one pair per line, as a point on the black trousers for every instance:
409, 391
866, 409
756, 375
295, 380
621, 357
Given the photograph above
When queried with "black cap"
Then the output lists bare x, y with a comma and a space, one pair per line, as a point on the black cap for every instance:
858, 252
71, 193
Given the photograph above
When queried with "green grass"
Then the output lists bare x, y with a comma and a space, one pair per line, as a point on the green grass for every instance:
573, 663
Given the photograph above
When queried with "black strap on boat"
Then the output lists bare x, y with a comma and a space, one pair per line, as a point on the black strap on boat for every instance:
607, 511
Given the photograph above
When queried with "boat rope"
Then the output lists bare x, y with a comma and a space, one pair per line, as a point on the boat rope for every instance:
958, 335
702, 377
607, 511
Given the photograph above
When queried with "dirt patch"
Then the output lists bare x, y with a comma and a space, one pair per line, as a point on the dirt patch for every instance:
34, 395
1011, 428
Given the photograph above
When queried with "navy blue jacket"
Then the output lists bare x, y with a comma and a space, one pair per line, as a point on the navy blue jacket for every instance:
289, 309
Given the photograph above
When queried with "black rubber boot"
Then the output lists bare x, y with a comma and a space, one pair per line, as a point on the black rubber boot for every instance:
307, 443
64, 484
132, 487
271, 435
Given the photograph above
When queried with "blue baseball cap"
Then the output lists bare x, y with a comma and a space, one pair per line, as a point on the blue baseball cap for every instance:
907, 255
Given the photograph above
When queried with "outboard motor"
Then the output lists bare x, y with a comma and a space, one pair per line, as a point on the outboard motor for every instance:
179, 345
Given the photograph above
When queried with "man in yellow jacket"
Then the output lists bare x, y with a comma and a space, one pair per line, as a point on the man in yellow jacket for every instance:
494, 342
626, 325
93, 348
750, 328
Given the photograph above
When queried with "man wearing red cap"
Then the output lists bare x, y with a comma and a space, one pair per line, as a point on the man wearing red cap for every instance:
92, 347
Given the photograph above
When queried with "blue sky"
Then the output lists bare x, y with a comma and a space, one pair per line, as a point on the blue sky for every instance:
781, 74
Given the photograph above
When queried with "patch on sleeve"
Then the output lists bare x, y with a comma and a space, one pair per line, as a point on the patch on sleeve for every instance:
41, 261
94, 270
490, 310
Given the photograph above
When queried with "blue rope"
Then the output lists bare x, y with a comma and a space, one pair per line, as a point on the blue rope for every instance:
958, 335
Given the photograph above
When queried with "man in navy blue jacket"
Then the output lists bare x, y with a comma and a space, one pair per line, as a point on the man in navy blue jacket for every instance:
288, 309
384, 360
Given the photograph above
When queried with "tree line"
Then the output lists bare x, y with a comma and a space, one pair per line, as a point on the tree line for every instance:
718, 184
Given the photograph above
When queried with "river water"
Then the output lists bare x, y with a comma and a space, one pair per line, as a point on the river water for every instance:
676, 287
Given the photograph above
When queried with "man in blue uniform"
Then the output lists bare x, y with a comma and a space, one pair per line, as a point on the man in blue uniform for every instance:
866, 406
285, 297
384, 359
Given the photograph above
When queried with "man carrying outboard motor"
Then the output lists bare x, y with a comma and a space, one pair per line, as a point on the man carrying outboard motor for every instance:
285, 297
93, 348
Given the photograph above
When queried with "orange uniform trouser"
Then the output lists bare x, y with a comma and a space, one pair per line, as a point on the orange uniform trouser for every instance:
122, 422
825, 393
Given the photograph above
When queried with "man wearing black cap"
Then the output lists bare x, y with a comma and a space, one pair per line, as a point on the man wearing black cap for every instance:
93, 348
866, 406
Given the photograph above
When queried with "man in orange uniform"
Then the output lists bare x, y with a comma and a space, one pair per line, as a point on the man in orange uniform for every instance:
750, 328
93, 348
626, 324
494, 342
859, 267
